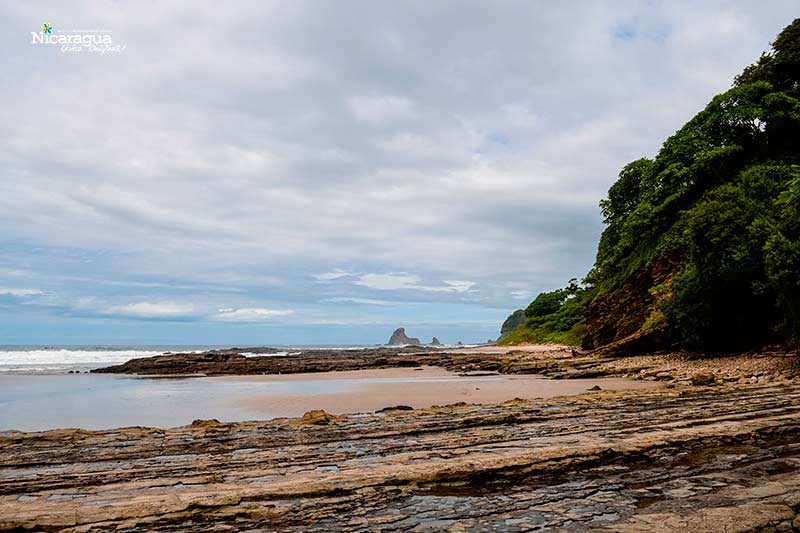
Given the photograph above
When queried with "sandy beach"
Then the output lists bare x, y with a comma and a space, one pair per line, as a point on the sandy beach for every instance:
370, 390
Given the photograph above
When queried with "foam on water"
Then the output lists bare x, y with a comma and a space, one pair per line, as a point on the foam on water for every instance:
36, 359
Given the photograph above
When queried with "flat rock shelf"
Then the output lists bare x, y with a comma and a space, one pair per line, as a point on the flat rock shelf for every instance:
683, 459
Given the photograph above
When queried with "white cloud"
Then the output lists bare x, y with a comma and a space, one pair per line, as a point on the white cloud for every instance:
19, 292
152, 310
394, 282
457, 286
380, 108
364, 301
332, 275
388, 282
251, 314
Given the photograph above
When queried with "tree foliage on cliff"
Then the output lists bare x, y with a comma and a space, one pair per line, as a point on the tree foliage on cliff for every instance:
721, 203
553, 317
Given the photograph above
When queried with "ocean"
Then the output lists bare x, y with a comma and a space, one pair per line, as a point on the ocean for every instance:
60, 359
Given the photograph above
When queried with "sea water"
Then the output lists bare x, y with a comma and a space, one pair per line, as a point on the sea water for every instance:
39, 359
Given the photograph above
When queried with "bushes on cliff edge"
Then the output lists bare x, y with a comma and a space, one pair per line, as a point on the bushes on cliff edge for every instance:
553, 317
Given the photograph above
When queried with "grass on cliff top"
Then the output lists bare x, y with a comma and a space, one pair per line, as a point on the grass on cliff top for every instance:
552, 318
544, 335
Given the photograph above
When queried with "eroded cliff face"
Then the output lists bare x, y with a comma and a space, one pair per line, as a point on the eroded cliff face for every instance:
627, 317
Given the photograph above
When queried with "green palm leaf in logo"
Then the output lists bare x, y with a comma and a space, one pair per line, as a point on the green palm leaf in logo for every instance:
47, 28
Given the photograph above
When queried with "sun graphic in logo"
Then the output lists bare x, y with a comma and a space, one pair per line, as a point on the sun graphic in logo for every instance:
47, 28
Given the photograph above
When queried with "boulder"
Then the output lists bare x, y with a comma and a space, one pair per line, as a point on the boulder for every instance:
318, 417
703, 377
399, 337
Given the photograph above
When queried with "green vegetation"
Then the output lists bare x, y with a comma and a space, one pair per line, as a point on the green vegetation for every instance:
514, 321
553, 317
702, 243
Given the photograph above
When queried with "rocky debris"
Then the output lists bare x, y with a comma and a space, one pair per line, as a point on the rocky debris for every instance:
703, 377
681, 366
206, 424
399, 337
435, 342
318, 417
691, 459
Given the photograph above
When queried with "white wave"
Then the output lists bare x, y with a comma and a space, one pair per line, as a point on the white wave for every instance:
70, 357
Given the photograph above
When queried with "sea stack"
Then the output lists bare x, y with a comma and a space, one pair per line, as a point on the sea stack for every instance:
399, 337
435, 342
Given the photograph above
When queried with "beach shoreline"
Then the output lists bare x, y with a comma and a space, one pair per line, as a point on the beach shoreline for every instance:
372, 390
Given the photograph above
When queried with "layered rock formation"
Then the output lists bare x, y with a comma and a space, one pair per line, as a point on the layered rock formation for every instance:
399, 337
695, 459
233, 362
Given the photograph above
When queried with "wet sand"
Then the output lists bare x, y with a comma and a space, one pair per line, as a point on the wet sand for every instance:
101, 401
370, 390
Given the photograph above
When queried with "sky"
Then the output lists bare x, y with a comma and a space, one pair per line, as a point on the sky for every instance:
292, 172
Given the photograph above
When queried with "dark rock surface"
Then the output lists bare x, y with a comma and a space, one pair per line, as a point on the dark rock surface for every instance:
558, 363
234, 363
399, 337
692, 459
435, 342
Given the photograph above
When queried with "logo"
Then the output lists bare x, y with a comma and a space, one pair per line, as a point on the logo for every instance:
78, 41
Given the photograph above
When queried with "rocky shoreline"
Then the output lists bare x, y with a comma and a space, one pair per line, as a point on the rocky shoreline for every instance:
720, 453
554, 362
718, 458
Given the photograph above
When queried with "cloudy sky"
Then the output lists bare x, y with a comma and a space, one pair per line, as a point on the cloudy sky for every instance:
322, 172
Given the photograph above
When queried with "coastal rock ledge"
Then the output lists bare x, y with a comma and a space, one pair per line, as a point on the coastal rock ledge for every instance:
698, 459
399, 337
